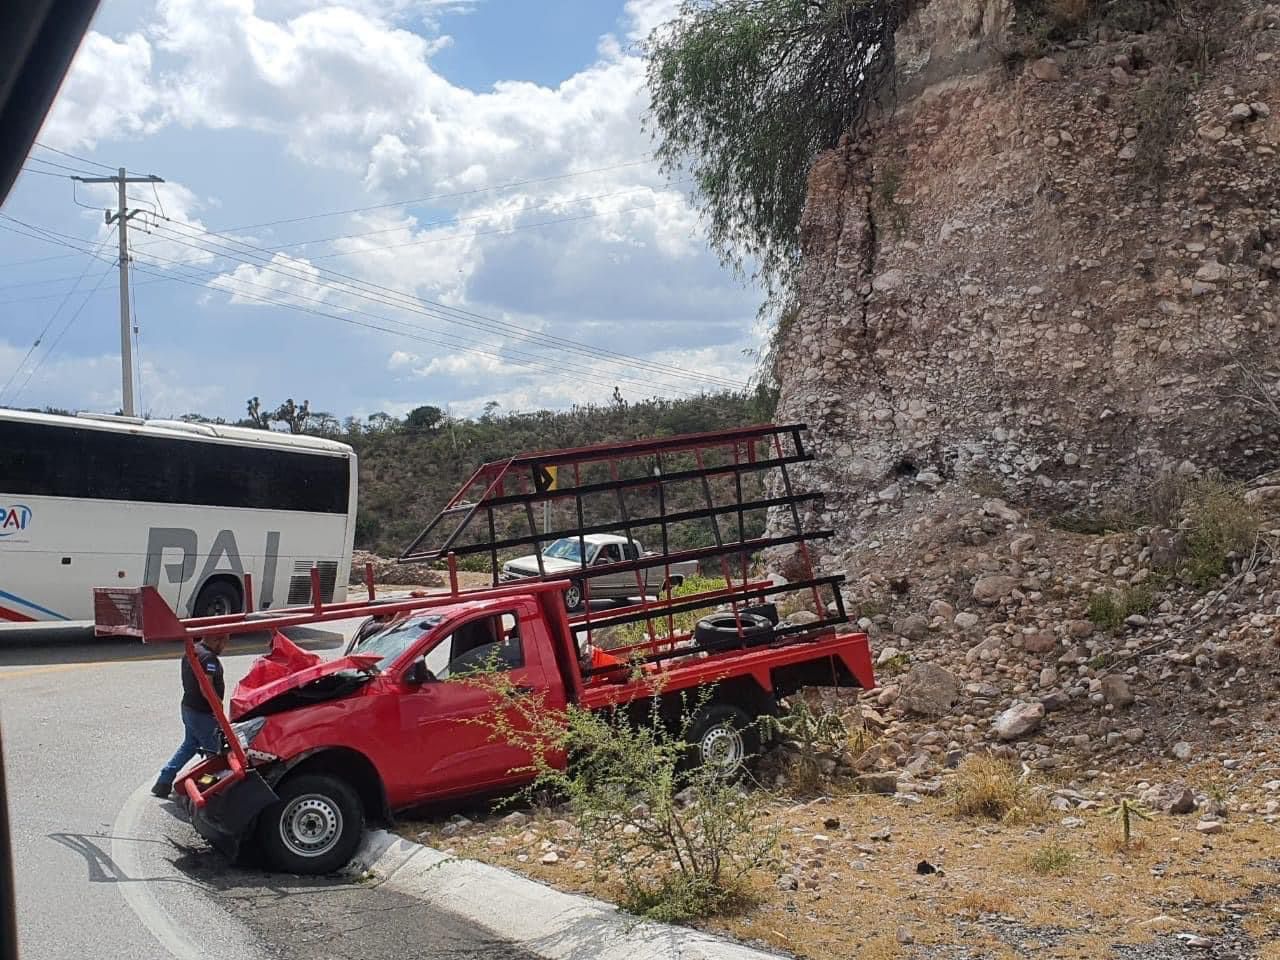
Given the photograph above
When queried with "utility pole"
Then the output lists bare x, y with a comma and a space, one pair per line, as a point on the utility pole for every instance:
122, 216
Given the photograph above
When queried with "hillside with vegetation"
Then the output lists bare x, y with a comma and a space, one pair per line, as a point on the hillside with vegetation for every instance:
411, 466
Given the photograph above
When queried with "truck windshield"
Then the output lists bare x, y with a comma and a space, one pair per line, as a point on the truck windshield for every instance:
397, 638
565, 548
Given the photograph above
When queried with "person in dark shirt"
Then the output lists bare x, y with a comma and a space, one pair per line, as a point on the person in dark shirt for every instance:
202, 733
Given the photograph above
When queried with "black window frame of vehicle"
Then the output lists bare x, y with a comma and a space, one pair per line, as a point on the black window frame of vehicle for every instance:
38, 38
501, 636
81, 462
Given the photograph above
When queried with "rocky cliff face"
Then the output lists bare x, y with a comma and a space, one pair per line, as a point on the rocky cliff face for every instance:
1047, 279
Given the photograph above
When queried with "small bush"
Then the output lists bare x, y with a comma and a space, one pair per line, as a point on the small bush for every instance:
1162, 116
894, 665
987, 787
681, 843
813, 734
1219, 523
1110, 608
1051, 858
1165, 497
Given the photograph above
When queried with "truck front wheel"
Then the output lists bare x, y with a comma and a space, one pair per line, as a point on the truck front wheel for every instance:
723, 737
573, 596
314, 828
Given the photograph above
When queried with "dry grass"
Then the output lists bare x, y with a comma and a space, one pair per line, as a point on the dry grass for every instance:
978, 902
993, 789
1114, 845
865, 890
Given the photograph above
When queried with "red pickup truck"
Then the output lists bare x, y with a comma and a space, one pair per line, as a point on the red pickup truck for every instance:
322, 748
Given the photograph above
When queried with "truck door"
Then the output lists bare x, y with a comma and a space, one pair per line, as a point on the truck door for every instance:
449, 721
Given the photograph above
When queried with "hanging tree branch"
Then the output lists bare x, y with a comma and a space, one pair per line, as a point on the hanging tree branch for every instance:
745, 93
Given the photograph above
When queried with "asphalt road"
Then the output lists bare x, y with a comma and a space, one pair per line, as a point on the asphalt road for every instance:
106, 870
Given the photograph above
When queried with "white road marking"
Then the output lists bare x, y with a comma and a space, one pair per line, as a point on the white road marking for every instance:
135, 890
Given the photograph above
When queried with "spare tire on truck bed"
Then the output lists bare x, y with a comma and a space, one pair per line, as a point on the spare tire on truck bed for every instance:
720, 631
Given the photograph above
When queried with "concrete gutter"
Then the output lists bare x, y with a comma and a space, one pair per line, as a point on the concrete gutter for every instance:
533, 916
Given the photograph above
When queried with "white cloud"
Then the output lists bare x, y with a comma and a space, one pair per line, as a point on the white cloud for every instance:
166, 390
283, 279
402, 360
592, 247
109, 93
645, 16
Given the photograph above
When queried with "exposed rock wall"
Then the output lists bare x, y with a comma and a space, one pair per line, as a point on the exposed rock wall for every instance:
1048, 281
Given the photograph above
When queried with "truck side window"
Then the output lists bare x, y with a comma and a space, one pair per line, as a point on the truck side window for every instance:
630, 551
477, 645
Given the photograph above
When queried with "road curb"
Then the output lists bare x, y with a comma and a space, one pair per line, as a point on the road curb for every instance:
544, 921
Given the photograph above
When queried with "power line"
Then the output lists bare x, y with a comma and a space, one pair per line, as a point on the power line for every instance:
235, 287
376, 293
49, 323
72, 156
44, 173
420, 225
440, 196
60, 166
408, 301
435, 340
54, 346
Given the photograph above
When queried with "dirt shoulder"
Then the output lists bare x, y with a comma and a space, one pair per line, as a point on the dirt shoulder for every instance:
853, 878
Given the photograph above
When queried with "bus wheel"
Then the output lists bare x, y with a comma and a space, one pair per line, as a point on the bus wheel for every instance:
217, 599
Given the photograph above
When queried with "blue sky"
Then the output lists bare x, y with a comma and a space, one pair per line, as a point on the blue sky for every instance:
371, 205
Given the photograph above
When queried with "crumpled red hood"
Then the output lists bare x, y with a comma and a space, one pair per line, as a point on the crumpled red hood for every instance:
286, 668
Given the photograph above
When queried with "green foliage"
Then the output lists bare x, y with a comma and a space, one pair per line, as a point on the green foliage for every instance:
1124, 812
1052, 858
680, 842
407, 472
894, 665
745, 93
683, 622
1219, 524
811, 732
1110, 608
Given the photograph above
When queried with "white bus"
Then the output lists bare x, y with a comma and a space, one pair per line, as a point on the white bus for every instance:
190, 508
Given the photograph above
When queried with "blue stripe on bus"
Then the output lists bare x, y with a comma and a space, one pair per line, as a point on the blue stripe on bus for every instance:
34, 606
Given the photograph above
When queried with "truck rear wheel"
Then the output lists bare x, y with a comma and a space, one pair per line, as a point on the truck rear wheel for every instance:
314, 828
723, 737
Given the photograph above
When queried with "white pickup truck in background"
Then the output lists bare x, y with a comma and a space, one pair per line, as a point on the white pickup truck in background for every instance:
564, 557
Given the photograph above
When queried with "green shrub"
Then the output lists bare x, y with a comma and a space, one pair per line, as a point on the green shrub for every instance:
679, 842
1110, 608
813, 734
1219, 523
683, 622
1051, 858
